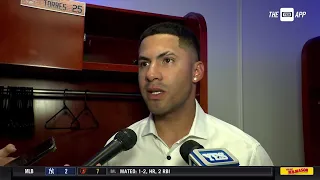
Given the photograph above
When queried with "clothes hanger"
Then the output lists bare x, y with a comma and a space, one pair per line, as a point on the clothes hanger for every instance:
66, 109
88, 110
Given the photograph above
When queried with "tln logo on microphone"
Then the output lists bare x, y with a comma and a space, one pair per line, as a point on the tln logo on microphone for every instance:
216, 156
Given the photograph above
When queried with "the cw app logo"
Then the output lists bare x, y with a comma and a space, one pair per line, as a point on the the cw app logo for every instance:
215, 156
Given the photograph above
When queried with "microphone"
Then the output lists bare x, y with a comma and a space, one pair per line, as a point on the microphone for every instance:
195, 155
123, 141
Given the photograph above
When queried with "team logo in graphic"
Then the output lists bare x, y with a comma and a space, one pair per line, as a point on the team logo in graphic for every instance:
83, 170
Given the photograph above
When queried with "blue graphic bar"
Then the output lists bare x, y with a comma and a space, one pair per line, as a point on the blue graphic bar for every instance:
144, 171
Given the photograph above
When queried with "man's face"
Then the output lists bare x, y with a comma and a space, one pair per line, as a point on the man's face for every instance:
165, 73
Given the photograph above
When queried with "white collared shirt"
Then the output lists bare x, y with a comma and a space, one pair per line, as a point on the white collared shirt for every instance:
207, 130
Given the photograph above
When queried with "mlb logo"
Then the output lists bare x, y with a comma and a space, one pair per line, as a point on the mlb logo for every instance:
287, 14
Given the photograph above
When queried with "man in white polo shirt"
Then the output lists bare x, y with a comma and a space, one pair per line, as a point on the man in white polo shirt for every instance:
169, 69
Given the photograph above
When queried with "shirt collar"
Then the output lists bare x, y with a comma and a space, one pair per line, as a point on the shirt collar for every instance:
198, 128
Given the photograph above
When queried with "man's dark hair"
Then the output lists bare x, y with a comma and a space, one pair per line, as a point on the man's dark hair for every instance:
185, 35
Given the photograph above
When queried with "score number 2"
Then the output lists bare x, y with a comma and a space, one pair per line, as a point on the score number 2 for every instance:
77, 9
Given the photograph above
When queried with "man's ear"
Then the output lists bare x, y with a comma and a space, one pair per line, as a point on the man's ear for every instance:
198, 71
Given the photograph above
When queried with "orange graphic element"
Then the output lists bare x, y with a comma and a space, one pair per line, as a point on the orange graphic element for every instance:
296, 171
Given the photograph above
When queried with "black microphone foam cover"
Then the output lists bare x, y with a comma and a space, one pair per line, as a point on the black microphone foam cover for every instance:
187, 147
127, 137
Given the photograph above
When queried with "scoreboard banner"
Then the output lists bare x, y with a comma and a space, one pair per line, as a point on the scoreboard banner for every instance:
37, 172
143, 171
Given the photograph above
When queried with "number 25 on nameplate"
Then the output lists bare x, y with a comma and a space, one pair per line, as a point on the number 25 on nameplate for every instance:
62, 6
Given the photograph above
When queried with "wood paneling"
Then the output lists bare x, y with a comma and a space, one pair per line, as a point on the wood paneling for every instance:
37, 37
77, 146
47, 50
311, 100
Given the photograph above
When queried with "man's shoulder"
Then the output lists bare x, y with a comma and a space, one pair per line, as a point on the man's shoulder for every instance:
246, 148
229, 131
139, 125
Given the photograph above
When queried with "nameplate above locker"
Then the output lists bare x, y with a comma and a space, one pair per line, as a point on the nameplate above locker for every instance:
62, 6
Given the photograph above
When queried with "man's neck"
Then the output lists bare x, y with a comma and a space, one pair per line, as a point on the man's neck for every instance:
176, 125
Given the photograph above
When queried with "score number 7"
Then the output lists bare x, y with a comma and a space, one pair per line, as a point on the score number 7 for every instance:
98, 171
